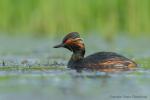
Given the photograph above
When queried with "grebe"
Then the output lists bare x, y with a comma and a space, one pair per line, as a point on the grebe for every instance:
101, 61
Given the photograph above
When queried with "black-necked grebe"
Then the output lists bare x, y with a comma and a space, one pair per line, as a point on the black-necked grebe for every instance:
101, 61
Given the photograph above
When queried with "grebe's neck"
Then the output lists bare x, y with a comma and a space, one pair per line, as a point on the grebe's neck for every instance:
78, 55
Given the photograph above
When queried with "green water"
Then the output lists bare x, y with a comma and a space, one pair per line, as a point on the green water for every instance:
30, 69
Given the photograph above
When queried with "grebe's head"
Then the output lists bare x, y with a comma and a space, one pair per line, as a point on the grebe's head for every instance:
72, 42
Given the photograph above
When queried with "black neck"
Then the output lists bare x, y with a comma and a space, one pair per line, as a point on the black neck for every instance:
77, 56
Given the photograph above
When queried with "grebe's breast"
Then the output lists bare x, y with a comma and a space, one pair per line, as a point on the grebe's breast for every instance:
108, 61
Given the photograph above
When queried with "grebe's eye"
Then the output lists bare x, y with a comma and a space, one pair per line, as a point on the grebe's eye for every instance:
64, 41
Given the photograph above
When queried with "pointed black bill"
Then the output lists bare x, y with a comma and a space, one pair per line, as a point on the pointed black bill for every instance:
58, 46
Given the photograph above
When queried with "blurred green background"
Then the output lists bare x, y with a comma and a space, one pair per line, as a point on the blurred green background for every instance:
56, 17
31, 69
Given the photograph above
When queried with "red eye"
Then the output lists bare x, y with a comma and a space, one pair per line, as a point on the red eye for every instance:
64, 41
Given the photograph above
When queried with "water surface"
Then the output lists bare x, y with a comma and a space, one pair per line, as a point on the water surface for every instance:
30, 69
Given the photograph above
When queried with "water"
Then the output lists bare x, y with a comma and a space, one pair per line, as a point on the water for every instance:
67, 84
35, 71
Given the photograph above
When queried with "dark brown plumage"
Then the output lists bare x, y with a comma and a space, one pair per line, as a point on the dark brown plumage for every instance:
101, 61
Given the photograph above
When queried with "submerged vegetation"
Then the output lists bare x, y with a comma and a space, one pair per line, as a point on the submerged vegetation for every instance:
32, 68
50, 17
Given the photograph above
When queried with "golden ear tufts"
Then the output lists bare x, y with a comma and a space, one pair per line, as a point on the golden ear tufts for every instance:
77, 39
